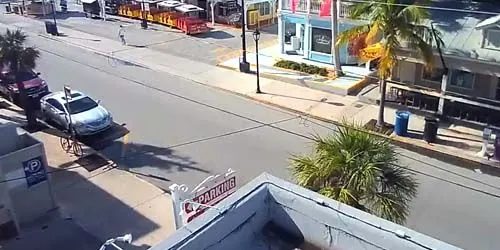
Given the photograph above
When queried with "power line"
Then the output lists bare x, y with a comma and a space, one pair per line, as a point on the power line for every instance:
54, 172
422, 162
427, 7
218, 108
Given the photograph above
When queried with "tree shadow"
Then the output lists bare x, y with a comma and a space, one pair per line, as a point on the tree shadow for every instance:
86, 216
218, 34
136, 155
271, 29
323, 100
77, 197
61, 16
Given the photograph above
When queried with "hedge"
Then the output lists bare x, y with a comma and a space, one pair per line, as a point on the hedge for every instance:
302, 67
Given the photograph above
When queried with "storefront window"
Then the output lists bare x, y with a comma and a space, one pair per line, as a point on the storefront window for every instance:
264, 8
433, 75
321, 40
462, 79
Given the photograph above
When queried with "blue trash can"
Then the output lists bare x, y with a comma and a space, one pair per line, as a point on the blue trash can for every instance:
401, 124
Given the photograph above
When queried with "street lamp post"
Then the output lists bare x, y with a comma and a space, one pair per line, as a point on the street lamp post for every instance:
144, 22
256, 37
54, 17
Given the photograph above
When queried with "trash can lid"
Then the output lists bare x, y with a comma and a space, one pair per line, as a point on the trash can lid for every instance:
403, 114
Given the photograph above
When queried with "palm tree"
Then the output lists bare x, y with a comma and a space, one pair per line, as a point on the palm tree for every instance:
19, 58
391, 25
356, 168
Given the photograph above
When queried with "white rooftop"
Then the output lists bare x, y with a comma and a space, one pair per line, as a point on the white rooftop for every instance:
492, 21
270, 213
170, 4
188, 8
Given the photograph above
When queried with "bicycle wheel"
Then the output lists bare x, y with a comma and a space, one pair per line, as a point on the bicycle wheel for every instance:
77, 148
65, 143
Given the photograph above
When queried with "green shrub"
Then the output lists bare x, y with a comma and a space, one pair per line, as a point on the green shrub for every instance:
302, 67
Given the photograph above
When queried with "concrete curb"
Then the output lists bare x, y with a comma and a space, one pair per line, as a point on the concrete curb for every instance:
401, 142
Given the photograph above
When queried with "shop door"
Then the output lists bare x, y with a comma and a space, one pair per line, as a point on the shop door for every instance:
253, 18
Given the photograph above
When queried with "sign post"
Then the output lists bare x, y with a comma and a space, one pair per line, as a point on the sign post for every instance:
188, 205
67, 96
34, 171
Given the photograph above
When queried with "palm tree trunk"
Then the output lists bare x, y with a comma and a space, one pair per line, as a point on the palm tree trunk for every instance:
380, 120
335, 31
26, 103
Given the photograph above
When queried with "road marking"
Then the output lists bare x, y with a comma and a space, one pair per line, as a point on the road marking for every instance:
124, 145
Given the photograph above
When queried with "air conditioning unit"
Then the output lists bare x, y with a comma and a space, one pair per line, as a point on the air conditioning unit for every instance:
295, 42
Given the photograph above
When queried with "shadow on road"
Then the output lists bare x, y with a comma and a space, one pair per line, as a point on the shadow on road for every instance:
62, 16
218, 34
136, 155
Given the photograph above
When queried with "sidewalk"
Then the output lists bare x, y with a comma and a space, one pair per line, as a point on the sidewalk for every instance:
96, 200
461, 149
348, 84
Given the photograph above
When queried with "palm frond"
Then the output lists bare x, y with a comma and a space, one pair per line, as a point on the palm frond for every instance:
14, 53
346, 36
374, 34
388, 206
28, 58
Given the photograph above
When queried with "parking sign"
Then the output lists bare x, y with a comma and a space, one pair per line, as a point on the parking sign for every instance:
35, 171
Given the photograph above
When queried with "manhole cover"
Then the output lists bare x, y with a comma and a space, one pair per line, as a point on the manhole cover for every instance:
358, 105
92, 162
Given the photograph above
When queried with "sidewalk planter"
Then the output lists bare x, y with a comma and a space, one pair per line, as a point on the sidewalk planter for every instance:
401, 124
302, 67
431, 129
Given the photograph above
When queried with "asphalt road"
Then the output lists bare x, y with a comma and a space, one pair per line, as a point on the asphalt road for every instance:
181, 132
222, 43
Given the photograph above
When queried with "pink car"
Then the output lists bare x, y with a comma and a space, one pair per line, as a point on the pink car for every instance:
35, 86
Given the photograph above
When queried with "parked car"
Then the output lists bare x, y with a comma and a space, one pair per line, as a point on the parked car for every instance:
35, 86
87, 115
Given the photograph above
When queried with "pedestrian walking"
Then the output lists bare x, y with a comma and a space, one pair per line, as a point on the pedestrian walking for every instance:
121, 34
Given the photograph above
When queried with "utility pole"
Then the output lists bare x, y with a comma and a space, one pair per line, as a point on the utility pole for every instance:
335, 50
244, 65
103, 9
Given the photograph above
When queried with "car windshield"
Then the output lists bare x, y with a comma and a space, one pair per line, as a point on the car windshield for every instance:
80, 105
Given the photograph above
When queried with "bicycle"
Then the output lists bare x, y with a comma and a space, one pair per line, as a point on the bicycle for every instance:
70, 145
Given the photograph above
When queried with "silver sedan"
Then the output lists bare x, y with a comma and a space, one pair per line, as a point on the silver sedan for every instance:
86, 115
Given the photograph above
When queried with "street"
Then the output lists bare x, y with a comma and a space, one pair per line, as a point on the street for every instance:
222, 43
181, 132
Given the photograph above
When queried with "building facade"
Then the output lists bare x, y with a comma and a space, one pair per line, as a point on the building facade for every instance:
463, 83
25, 191
304, 32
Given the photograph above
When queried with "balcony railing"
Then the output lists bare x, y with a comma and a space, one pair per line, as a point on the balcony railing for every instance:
314, 7
301, 6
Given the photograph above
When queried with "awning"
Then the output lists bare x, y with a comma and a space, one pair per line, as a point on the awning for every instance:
170, 4
492, 21
188, 8
88, 1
